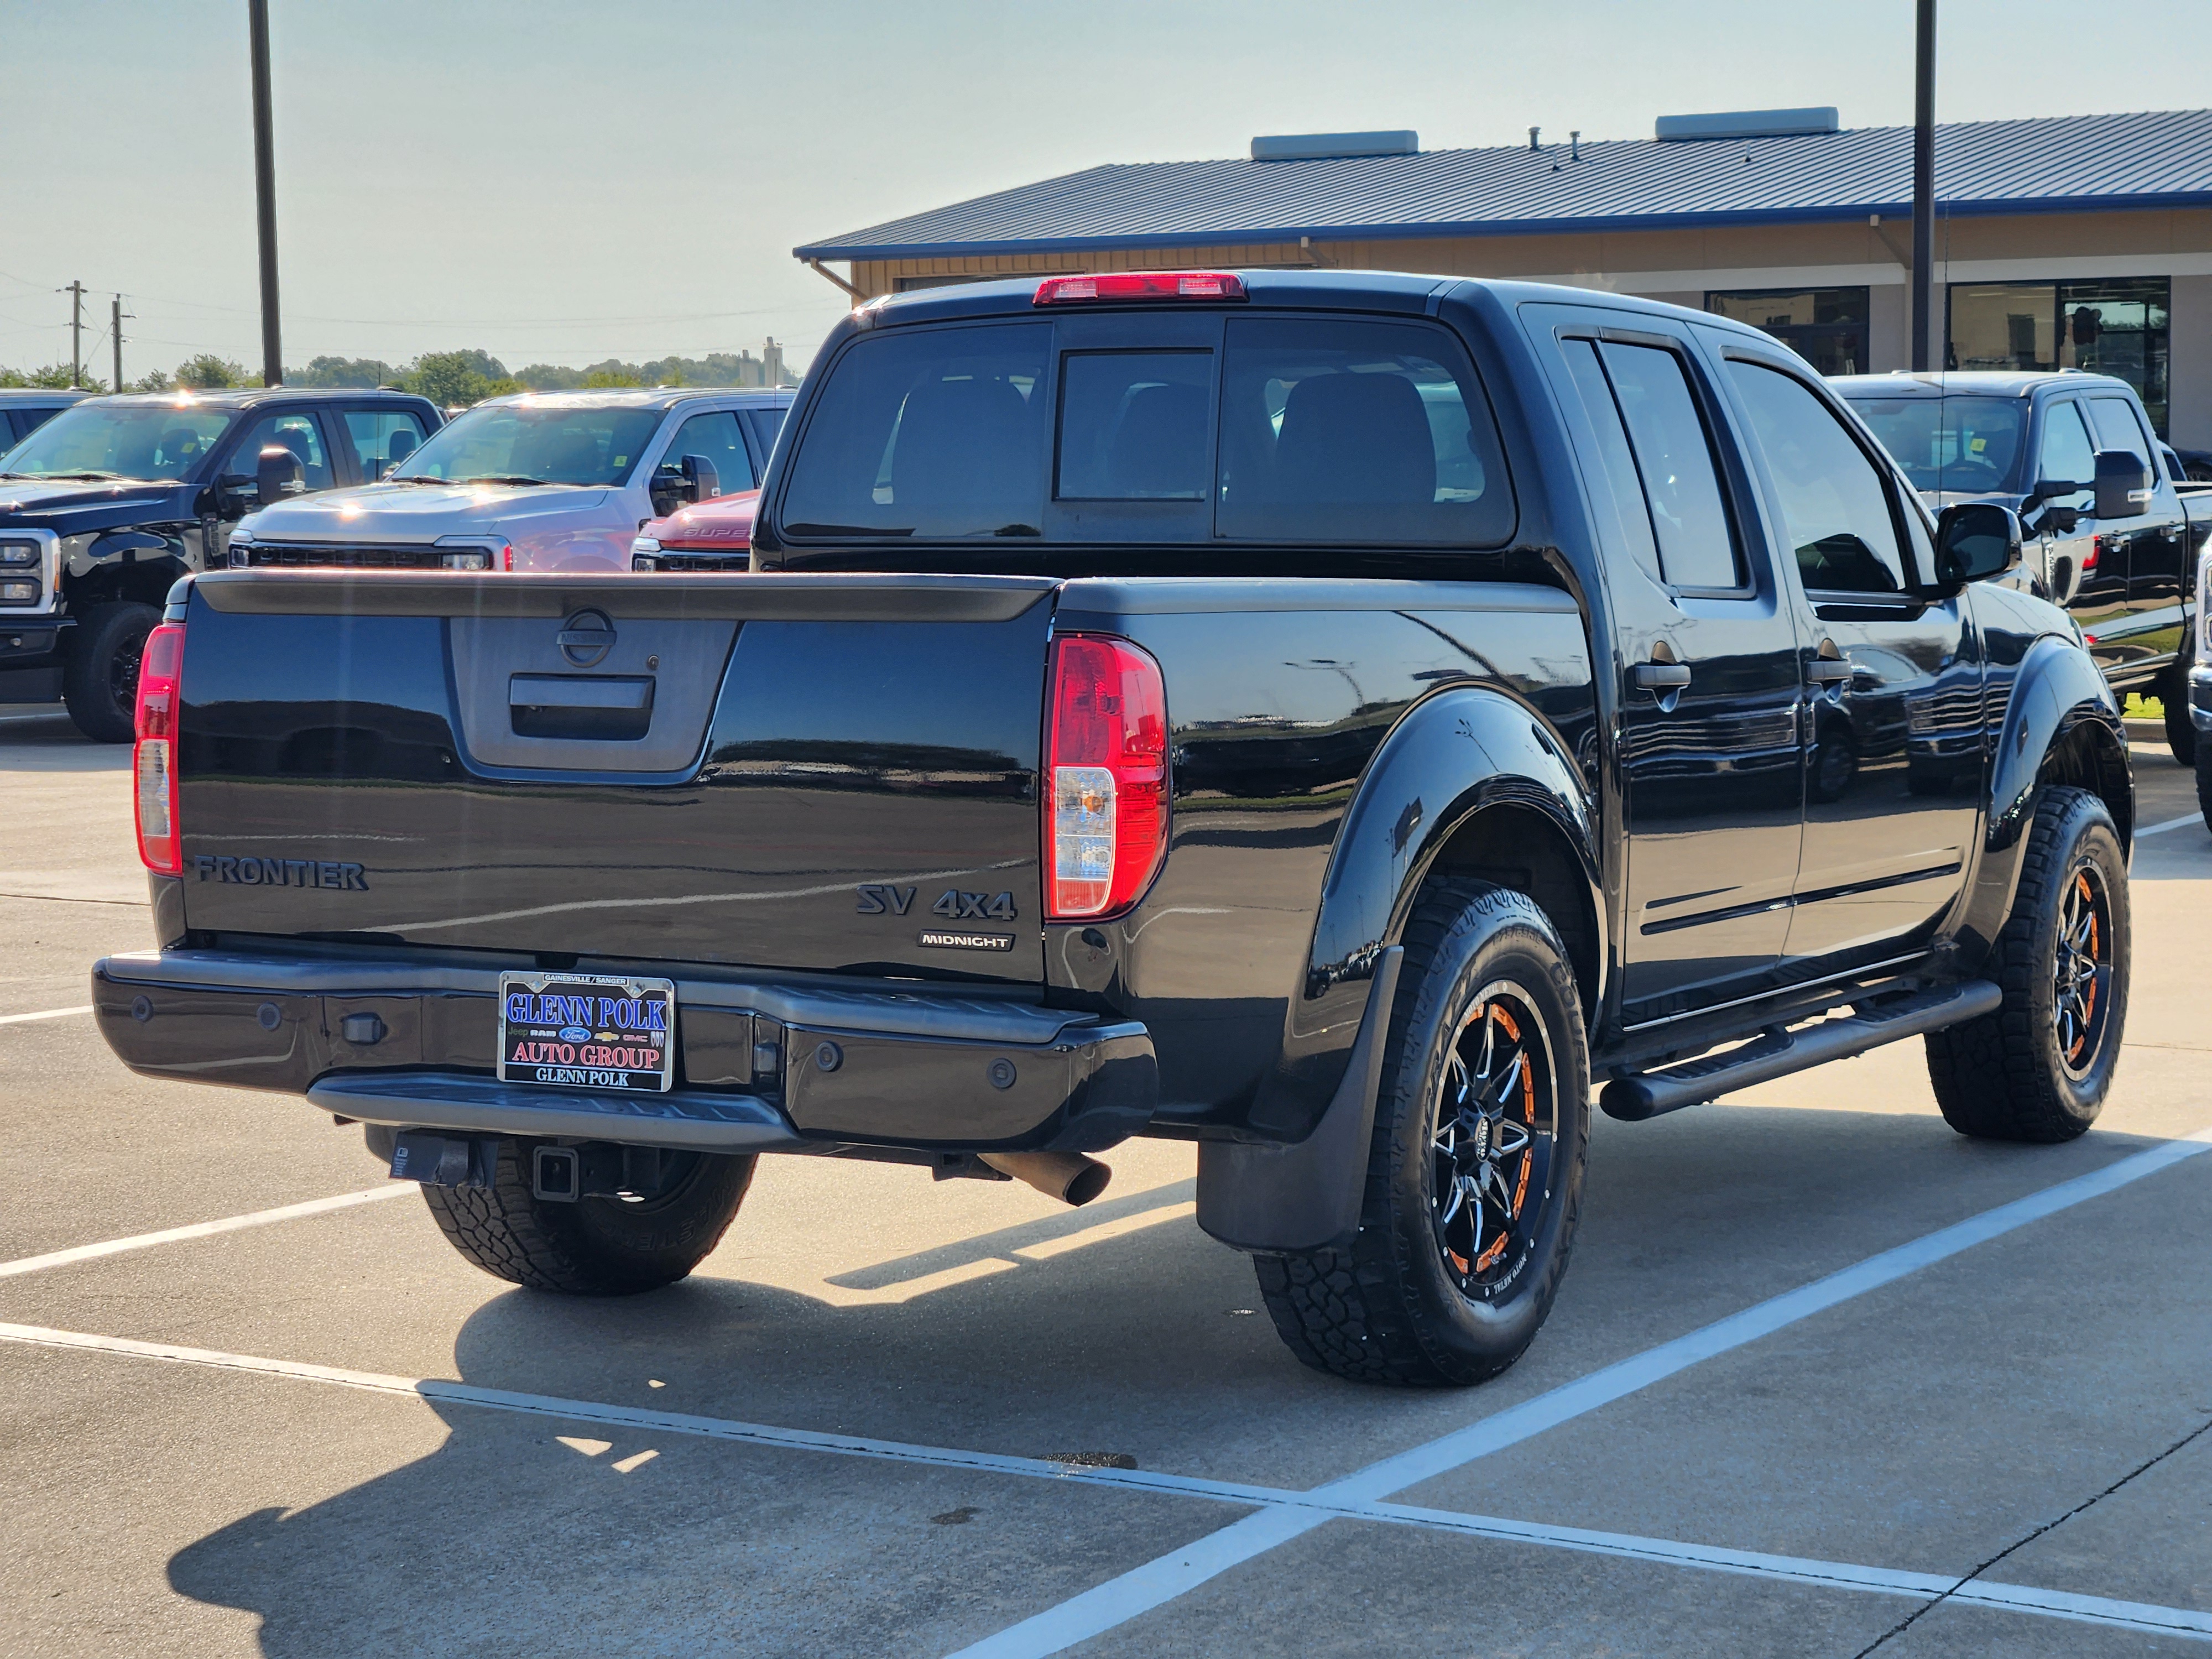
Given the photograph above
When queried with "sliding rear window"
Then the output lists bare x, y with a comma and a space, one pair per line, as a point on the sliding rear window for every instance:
1345, 431
1298, 429
938, 433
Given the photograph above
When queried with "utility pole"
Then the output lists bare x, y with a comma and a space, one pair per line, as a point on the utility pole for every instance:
115, 333
1924, 189
76, 291
264, 195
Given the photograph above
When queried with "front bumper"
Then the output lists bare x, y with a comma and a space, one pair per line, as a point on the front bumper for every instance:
761, 1066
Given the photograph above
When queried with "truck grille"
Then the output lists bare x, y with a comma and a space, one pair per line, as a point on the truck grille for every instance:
270, 556
740, 559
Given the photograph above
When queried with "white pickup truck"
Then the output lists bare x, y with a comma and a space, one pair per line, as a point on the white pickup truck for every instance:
537, 481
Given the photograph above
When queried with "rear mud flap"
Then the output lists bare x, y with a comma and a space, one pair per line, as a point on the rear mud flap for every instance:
1306, 1196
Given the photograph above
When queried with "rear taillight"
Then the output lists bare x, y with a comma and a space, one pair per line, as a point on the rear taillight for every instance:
507, 556
160, 842
1111, 286
1106, 791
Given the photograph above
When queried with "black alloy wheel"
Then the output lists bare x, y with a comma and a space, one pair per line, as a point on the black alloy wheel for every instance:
1496, 1124
2040, 1065
2081, 969
1474, 1172
99, 678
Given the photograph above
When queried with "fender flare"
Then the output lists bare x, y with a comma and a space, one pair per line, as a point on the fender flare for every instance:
2056, 689
2057, 693
1451, 755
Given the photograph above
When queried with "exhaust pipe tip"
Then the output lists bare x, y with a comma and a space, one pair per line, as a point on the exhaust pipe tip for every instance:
1069, 1176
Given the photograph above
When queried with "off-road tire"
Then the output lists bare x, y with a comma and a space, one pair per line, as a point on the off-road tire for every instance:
592, 1246
100, 680
2180, 730
2002, 1077
1386, 1309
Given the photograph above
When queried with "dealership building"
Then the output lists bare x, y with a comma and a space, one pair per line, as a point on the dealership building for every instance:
2065, 242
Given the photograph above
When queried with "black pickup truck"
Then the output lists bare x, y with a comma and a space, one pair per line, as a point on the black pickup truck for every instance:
106, 503
1346, 720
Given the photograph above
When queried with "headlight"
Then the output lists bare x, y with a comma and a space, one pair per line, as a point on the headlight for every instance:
17, 555
15, 593
2203, 620
646, 544
479, 561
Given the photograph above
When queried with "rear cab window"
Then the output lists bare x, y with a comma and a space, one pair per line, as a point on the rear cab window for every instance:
1188, 427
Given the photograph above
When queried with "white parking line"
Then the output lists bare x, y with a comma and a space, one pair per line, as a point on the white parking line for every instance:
32, 1264
2171, 823
48, 1013
1106, 1606
1285, 1517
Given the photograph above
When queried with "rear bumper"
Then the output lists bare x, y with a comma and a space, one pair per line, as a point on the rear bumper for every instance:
761, 1066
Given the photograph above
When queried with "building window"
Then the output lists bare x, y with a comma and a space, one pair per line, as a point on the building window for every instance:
2117, 326
1826, 327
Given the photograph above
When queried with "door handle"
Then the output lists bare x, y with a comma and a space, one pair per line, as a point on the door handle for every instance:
1828, 671
1659, 676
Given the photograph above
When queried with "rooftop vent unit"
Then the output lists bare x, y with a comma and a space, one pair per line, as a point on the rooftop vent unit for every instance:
1320, 146
1748, 124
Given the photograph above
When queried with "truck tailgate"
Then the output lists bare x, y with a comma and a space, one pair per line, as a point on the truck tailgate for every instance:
781, 771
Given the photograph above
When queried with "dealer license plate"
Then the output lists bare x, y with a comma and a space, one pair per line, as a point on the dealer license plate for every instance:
587, 1031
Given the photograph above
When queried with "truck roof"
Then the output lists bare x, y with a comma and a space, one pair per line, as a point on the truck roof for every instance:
248, 397
1408, 292
1975, 382
10, 396
658, 397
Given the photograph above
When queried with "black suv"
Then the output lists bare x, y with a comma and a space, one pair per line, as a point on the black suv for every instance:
105, 505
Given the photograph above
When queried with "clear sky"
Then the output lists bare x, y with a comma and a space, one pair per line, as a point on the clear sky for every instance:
560, 181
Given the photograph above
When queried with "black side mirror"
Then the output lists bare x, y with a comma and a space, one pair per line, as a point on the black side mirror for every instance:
2124, 485
277, 474
1975, 540
699, 474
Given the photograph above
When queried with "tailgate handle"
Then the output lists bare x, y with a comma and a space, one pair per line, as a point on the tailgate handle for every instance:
580, 707
579, 692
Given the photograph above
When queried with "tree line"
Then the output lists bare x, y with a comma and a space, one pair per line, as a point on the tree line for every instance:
445, 378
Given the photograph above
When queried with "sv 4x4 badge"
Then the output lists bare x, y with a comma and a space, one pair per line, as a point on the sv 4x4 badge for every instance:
878, 898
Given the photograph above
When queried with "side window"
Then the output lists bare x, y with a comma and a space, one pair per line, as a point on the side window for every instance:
2117, 427
1133, 425
2066, 456
765, 424
381, 439
716, 437
1613, 458
1674, 460
1835, 507
1350, 431
298, 432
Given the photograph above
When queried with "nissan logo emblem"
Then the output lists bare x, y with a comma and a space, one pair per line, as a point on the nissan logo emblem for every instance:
585, 638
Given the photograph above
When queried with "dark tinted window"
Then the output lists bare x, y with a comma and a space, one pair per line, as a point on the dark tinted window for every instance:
2117, 427
1614, 459
1356, 432
715, 437
1133, 425
1835, 509
765, 424
1697, 548
935, 432
2067, 456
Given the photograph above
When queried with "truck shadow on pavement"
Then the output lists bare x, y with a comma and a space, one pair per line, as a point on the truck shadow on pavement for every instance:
577, 1536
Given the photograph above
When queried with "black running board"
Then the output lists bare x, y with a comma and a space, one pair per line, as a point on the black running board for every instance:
1641, 1095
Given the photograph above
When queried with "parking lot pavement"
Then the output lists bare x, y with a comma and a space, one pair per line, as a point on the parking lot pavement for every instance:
848, 1432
